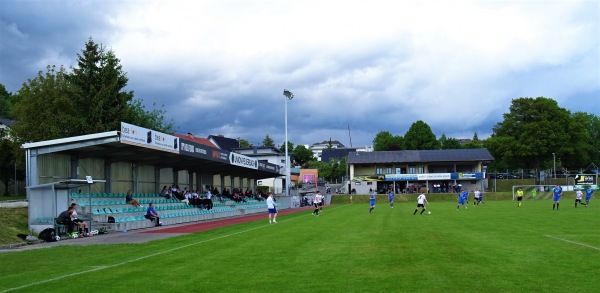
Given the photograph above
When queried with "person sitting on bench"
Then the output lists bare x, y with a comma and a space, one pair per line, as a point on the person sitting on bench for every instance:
64, 218
152, 215
83, 226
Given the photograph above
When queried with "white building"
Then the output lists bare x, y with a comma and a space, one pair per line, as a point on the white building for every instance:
269, 155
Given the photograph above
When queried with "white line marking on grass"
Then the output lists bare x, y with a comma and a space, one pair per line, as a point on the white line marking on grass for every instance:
582, 244
145, 257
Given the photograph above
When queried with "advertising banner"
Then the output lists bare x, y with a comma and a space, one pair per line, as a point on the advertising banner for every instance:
243, 161
193, 149
583, 179
140, 136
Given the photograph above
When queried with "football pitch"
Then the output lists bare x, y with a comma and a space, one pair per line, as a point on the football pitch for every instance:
496, 247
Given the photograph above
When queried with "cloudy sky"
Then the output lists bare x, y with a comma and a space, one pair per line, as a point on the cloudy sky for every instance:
220, 67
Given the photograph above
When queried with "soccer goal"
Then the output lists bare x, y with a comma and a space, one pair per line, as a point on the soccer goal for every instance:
533, 191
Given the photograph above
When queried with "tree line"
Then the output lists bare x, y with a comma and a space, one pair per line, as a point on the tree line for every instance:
533, 133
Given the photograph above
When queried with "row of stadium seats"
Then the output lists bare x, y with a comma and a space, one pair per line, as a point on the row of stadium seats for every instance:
111, 195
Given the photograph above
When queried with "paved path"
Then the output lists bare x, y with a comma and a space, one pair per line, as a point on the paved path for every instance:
154, 233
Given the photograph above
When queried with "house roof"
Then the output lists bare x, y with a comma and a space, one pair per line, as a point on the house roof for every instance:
458, 155
335, 154
200, 140
224, 143
326, 142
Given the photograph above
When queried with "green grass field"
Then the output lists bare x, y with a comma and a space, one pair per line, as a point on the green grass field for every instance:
492, 248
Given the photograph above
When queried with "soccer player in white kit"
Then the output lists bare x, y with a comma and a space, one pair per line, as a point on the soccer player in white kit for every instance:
421, 200
578, 196
317, 201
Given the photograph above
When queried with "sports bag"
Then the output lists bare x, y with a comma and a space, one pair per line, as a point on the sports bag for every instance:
48, 235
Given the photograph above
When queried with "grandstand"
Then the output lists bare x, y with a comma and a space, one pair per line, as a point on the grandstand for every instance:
99, 206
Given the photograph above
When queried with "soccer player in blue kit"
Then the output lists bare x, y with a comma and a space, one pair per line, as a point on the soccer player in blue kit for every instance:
391, 197
588, 195
557, 194
372, 201
461, 200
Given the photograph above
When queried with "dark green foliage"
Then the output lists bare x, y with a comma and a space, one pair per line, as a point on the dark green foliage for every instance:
534, 129
385, 141
301, 155
420, 137
268, 141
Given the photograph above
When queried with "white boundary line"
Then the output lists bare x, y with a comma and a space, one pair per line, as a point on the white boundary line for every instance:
565, 240
147, 256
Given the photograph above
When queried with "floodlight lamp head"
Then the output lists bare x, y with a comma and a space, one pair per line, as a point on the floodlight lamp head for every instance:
288, 94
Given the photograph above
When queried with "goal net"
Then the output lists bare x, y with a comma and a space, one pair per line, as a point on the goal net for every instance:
533, 191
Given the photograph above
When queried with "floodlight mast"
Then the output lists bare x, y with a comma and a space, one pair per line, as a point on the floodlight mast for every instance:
289, 96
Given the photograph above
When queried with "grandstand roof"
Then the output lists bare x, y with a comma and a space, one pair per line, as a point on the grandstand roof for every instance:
457, 155
108, 145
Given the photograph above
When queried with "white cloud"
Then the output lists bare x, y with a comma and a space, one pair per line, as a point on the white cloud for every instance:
377, 65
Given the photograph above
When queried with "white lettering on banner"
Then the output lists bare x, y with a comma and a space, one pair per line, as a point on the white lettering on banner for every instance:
187, 147
243, 161
201, 151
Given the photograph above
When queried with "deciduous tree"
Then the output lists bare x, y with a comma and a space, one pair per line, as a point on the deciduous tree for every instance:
420, 137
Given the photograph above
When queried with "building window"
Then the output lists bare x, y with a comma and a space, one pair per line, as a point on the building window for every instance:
398, 171
388, 170
411, 170
378, 171
421, 170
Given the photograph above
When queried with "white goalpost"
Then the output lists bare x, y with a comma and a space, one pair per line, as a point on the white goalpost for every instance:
533, 191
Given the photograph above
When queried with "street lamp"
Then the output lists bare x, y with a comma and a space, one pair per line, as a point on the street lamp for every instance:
554, 160
289, 96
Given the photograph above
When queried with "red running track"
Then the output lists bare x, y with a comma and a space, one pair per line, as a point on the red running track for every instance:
203, 226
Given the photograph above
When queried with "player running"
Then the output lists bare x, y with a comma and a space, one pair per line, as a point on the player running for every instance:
519, 197
461, 201
578, 196
588, 195
391, 197
557, 194
476, 197
372, 201
421, 200
317, 201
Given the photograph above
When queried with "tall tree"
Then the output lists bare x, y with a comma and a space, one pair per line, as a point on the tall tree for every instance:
533, 129
583, 145
99, 82
420, 137
4, 102
46, 110
385, 141
243, 143
302, 156
290, 146
268, 141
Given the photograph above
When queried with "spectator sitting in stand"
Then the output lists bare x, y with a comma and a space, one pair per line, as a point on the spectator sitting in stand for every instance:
152, 215
164, 192
129, 199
